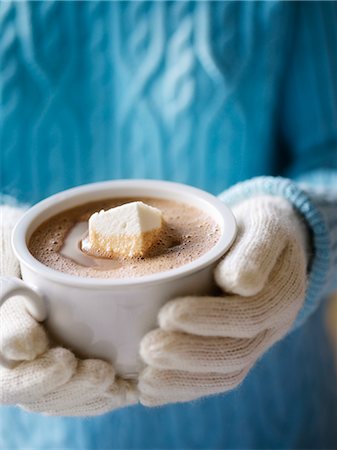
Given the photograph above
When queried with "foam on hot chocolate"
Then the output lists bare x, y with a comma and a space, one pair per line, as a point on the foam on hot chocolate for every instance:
187, 233
129, 230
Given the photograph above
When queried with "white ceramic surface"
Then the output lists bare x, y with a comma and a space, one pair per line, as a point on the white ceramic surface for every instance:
107, 318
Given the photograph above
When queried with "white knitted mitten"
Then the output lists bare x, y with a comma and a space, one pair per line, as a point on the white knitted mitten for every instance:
44, 379
207, 345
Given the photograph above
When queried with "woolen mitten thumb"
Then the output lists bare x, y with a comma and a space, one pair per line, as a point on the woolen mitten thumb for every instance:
22, 338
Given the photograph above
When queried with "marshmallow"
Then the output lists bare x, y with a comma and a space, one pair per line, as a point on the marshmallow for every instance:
128, 230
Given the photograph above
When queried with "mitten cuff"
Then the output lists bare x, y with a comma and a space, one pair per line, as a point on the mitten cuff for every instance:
320, 262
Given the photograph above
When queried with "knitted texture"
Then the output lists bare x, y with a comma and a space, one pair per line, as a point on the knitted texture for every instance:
207, 345
22, 338
140, 81
86, 96
43, 379
318, 209
321, 188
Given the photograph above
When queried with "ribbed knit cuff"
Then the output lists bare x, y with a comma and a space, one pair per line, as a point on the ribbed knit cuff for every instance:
288, 189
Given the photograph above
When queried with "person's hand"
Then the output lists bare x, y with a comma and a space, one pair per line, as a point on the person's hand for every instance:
207, 345
42, 378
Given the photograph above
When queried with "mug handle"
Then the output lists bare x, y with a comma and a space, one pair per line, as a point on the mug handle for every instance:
34, 302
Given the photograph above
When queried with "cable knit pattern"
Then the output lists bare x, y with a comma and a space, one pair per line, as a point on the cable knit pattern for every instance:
97, 79
130, 81
84, 85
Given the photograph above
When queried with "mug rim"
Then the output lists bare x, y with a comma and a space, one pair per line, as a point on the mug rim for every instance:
24, 256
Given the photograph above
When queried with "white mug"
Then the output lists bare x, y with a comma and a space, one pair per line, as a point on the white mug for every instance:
107, 318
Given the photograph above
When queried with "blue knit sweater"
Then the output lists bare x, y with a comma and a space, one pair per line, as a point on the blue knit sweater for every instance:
206, 93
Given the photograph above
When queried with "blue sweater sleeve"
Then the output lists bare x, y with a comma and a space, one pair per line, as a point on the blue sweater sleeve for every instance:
309, 130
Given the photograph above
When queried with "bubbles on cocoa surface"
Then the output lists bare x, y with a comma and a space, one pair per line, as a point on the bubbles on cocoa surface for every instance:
187, 235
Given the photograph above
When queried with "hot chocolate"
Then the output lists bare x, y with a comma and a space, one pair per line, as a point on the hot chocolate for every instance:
188, 233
